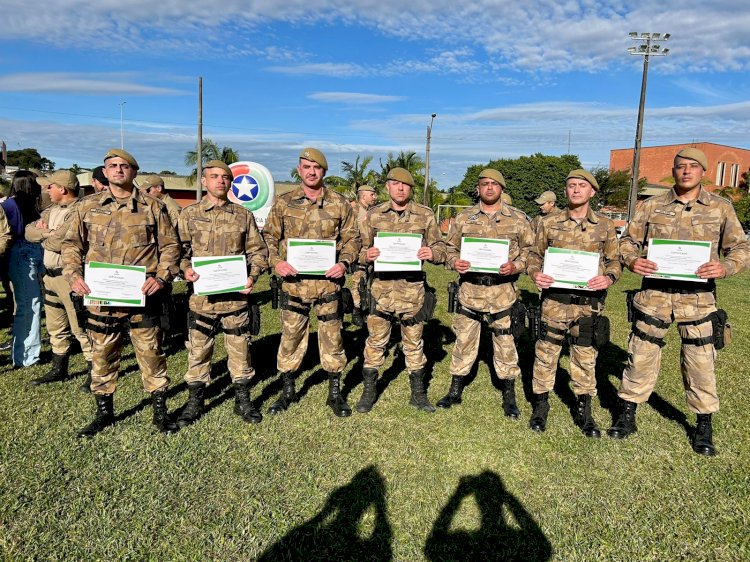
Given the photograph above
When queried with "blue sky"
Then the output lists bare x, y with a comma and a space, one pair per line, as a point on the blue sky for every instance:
363, 76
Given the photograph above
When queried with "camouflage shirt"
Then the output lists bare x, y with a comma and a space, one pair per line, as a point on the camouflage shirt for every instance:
57, 219
135, 232
707, 218
207, 230
595, 233
173, 208
538, 219
6, 236
508, 223
330, 217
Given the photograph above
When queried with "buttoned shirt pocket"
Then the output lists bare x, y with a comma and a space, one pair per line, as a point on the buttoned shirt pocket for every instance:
295, 219
139, 233
200, 232
660, 226
706, 227
97, 225
329, 228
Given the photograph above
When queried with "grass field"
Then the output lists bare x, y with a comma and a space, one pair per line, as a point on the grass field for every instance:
462, 484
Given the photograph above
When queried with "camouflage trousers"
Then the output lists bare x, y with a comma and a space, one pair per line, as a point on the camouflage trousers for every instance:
62, 322
357, 277
295, 327
696, 361
200, 348
559, 316
468, 332
107, 347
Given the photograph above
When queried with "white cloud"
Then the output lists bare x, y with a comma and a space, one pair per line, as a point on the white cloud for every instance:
80, 83
353, 98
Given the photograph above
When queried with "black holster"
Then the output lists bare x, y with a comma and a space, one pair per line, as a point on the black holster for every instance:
80, 309
346, 303
254, 311
275, 288
722, 329
534, 313
517, 319
629, 300
452, 296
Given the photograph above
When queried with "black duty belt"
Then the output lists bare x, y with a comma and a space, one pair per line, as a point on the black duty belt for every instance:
680, 287
54, 271
568, 297
400, 275
487, 280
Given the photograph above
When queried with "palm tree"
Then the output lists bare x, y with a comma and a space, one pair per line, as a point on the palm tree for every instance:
357, 174
411, 162
211, 151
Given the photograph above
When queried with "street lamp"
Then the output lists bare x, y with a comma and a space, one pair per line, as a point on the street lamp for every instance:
649, 47
426, 195
122, 138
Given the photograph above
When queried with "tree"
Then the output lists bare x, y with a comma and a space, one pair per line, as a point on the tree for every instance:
168, 173
28, 158
614, 187
414, 164
76, 169
211, 151
357, 174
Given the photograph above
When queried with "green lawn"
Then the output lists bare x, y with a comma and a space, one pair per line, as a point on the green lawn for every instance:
393, 484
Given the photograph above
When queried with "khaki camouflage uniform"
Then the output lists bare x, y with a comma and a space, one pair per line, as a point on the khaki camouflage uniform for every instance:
595, 233
709, 217
330, 217
360, 270
538, 219
62, 322
6, 236
135, 232
399, 294
488, 293
206, 230
173, 209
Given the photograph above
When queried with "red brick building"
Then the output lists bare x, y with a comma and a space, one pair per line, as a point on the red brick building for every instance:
726, 164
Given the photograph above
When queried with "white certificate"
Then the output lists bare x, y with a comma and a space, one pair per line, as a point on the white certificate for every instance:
571, 269
114, 285
398, 251
678, 259
485, 255
311, 257
219, 274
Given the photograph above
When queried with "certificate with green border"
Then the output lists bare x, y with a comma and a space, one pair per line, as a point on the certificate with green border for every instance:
485, 255
114, 284
311, 257
219, 274
398, 251
571, 269
678, 259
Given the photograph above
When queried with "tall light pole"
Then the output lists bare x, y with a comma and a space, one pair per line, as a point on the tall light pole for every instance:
122, 138
426, 195
649, 47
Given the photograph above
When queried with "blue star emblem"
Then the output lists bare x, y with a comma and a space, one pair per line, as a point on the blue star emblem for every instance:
245, 188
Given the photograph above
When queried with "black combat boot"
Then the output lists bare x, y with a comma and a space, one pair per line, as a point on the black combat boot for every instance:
104, 416
369, 390
58, 372
194, 407
703, 443
243, 405
335, 400
625, 424
418, 393
454, 393
86, 386
161, 418
538, 421
288, 395
584, 419
510, 408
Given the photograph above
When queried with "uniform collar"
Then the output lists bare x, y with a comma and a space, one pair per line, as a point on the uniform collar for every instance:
207, 205
299, 194
135, 197
704, 197
564, 216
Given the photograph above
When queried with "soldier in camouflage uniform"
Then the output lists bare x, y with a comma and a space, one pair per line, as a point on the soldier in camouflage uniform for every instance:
122, 226
578, 312
6, 235
547, 207
218, 227
366, 198
50, 231
487, 296
686, 212
311, 212
154, 186
398, 295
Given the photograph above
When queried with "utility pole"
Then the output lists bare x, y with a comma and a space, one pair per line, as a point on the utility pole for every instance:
649, 47
199, 159
426, 195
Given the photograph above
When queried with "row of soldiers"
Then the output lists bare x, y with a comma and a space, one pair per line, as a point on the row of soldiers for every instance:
124, 226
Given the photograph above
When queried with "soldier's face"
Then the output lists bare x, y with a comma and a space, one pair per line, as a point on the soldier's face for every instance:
578, 191
119, 172
217, 182
55, 192
399, 191
546, 207
490, 191
98, 186
368, 198
157, 191
312, 173
687, 173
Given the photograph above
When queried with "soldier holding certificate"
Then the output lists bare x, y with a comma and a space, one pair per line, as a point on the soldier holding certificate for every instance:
311, 212
686, 212
573, 311
211, 228
399, 294
488, 294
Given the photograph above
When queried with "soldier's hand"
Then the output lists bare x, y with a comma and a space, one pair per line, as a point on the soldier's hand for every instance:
599, 283
248, 287
337, 271
191, 275
41, 224
712, 270
425, 253
79, 287
508, 268
642, 266
372, 253
543, 281
284, 269
151, 285
462, 266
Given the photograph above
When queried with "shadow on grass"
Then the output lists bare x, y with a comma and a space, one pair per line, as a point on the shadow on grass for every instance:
335, 534
495, 539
